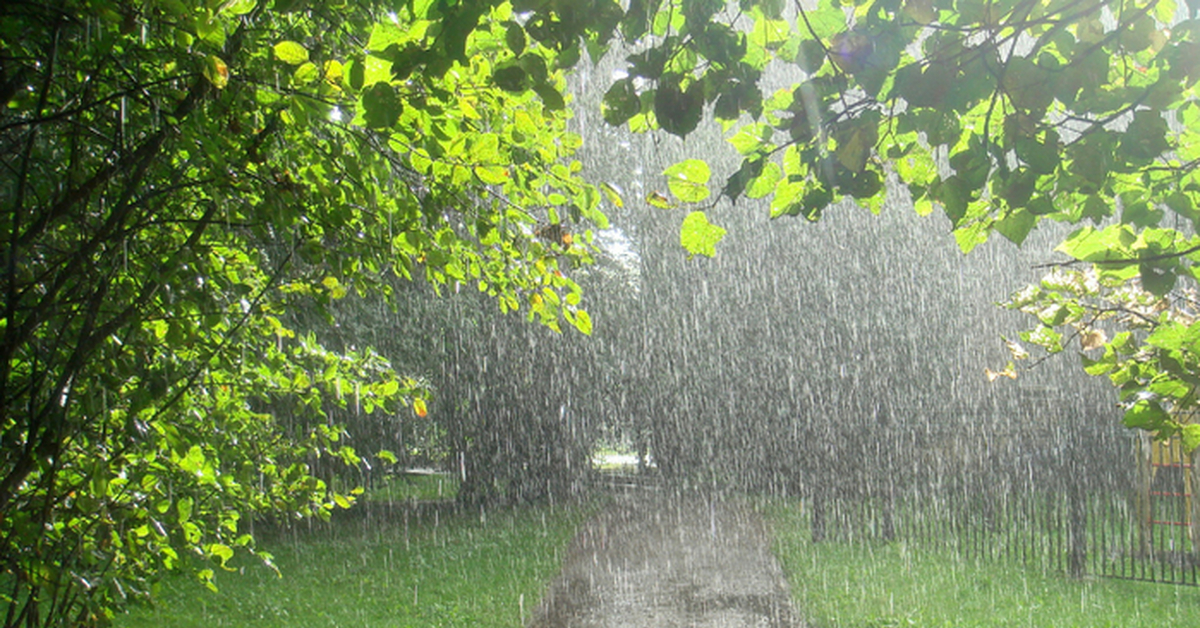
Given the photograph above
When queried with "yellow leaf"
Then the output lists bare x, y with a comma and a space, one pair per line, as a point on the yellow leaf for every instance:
614, 196
291, 52
1093, 339
419, 407
1008, 372
216, 71
659, 200
334, 71
1018, 352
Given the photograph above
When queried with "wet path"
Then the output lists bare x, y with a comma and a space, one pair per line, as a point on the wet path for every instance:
651, 562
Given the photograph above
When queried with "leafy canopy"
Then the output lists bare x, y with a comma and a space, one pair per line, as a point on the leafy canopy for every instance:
999, 114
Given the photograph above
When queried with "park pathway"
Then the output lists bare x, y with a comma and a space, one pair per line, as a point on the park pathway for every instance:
650, 561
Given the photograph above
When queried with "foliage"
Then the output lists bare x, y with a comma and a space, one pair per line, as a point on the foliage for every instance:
1115, 289
1002, 114
181, 178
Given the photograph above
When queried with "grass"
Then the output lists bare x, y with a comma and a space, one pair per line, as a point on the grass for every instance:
877, 585
414, 487
449, 570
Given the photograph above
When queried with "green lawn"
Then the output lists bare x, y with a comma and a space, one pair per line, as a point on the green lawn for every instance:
414, 487
462, 570
865, 585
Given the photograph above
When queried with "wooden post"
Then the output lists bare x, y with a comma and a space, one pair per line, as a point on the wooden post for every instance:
1194, 489
1145, 476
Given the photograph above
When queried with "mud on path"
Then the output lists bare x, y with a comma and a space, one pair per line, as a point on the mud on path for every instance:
656, 562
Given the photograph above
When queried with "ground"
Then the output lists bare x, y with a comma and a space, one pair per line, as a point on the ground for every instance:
653, 561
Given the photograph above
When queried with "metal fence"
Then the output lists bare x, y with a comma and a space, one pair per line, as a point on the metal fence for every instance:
1072, 499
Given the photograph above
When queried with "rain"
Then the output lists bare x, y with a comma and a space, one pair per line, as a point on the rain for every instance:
819, 425
832, 375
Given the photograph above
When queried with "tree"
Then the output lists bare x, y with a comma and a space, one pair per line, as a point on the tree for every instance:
180, 178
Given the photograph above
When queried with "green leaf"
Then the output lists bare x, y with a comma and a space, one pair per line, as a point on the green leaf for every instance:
921, 11
291, 52
678, 111
699, 236
492, 175
1146, 414
1027, 85
855, 145
970, 236
514, 38
355, 74
306, 73
1016, 226
954, 193
583, 322
1099, 367
1090, 245
1190, 434
381, 106
736, 184
1042, 157
221, 551
751, 138
550, 97
1145, 137
1141, 213
1171, 336
620, 102
1157, 281
183, 506
1096, 208
238, 7
193, 463
510, 77
485, 148
688, 180
765, 183
385, 34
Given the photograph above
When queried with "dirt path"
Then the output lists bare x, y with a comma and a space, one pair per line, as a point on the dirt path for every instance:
654, 562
